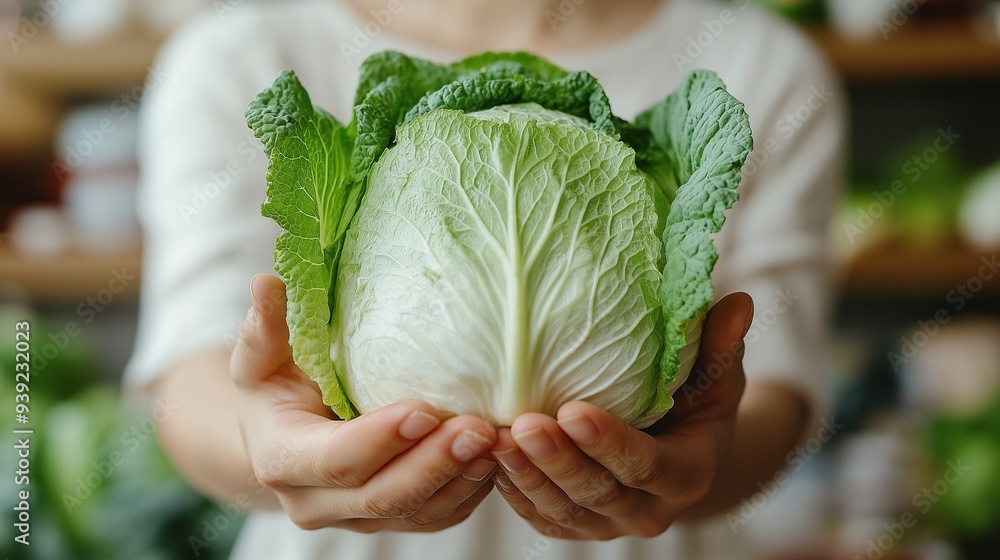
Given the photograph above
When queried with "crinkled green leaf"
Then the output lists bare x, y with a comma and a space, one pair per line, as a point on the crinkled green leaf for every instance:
395, 89
529, 65
577, 94
310, 196
705, 132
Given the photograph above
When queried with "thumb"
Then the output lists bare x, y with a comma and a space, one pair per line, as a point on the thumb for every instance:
726, 324
263, 344
717, 381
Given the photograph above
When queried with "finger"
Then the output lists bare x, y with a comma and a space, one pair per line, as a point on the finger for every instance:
725, 326
397, 491
516, 498
262, 348
447, 501
318, 508
716, 383
549, 500
526, 508
310, 451
472, 502
459, 515
678, 465
633, 457
404, 485
730, 318
585, 481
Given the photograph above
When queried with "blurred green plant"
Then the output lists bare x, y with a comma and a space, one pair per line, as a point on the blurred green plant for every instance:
915, 198
797, 10
935, 181
101, 486
971, 507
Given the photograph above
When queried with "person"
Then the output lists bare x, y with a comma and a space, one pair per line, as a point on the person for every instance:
251, 430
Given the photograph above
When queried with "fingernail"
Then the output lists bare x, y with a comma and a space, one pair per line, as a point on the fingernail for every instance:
513, 460
479, 470
580, 429
503, 482
748, 322
417, 425
468, 445
253, 296
536, 443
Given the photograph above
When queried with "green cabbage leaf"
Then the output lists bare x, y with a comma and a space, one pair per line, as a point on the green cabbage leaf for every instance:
489, 237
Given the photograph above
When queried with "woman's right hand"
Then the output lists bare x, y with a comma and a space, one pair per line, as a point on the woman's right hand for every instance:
397, 468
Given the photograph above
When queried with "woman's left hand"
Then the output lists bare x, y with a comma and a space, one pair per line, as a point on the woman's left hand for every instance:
588, 475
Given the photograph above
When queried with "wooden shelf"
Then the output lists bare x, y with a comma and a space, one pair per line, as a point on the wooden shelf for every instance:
53, 68
70, 277
28, 124
896, 270
945, 49
44, 75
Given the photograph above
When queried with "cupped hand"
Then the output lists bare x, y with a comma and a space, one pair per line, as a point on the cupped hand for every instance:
397, 468
588, 475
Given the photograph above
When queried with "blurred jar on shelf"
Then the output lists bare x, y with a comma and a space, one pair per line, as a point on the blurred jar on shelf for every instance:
979, 214
96, 164
84, 21
96, 151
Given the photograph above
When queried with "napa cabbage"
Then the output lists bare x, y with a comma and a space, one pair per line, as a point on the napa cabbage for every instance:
489, 237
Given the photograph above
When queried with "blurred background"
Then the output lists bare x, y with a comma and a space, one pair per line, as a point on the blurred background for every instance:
908, 466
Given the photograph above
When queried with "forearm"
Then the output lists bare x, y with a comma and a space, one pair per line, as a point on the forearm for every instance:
769, 424
203, 437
